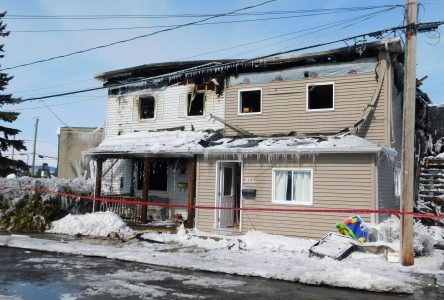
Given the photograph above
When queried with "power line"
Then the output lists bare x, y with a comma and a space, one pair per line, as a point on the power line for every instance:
137, 37
51, 86
322, 27
358, 20
200, 24
162, 16
54, 114
61, 104
319, 27
420, 27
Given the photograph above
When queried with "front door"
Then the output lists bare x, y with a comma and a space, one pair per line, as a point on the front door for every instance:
226, 194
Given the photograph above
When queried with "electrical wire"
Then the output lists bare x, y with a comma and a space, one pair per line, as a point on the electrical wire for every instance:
51, 86
162, 16
358, 21
200, 24
137, 37
60, 104
420, 27
163, 26
324, 26
319, 27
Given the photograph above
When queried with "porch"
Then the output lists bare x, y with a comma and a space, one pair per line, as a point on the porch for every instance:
157, 168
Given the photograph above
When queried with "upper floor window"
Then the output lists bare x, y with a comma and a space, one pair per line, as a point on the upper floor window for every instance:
147, 107
320, 96
195, 104
250, 101
293, 186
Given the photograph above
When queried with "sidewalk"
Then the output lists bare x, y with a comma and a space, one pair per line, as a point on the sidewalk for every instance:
252, 254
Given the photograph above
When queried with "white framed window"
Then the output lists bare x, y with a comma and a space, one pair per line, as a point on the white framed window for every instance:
292, 186
321, 96
250, 101
397, 182
147, 107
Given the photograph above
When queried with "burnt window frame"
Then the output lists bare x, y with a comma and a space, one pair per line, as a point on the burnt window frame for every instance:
139, 108
188, 97
239, 102
308, 96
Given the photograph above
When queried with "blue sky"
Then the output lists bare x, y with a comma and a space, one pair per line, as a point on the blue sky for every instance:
77, 72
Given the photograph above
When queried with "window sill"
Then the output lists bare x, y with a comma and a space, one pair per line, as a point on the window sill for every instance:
248, 114
292, 203
320, 110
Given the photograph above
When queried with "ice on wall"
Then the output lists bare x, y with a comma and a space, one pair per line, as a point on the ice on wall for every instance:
423, 237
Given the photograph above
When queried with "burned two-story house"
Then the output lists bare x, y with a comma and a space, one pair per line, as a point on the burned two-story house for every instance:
242, 141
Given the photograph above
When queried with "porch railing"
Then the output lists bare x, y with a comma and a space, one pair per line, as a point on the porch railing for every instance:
132, 213
129, 212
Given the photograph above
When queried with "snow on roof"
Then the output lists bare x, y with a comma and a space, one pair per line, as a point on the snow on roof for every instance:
186, 143
292, 145
177, 142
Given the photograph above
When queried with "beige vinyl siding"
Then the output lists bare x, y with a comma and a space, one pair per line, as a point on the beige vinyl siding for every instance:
284, 108
339, 182
206, 195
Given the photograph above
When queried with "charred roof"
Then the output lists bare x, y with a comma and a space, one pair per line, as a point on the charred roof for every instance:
167, 73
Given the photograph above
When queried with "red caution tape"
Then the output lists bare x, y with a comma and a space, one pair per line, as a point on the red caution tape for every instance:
270, 209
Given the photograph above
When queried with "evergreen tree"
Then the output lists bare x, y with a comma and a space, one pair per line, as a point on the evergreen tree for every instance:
7, 134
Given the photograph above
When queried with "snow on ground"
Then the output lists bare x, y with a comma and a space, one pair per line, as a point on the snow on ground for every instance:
252, 254
95, 224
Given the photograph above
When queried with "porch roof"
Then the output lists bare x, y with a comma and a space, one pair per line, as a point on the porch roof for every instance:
146, 144
345, 143
189, 143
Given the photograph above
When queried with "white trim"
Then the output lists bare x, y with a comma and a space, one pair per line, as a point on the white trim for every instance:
155, 107
239, 113
306, 96
291, 202
216, 198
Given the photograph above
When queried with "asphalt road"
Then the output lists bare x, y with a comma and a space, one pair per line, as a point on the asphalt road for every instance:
39, 275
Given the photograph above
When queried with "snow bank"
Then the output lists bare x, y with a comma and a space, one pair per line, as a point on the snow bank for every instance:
95, 224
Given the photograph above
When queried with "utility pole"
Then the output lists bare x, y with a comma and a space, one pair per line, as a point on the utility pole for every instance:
408, 141
33, 149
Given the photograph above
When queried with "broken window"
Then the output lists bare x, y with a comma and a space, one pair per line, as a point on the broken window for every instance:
293, 186
195, 106
147, 106
250, 101
320, 96
158, 180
